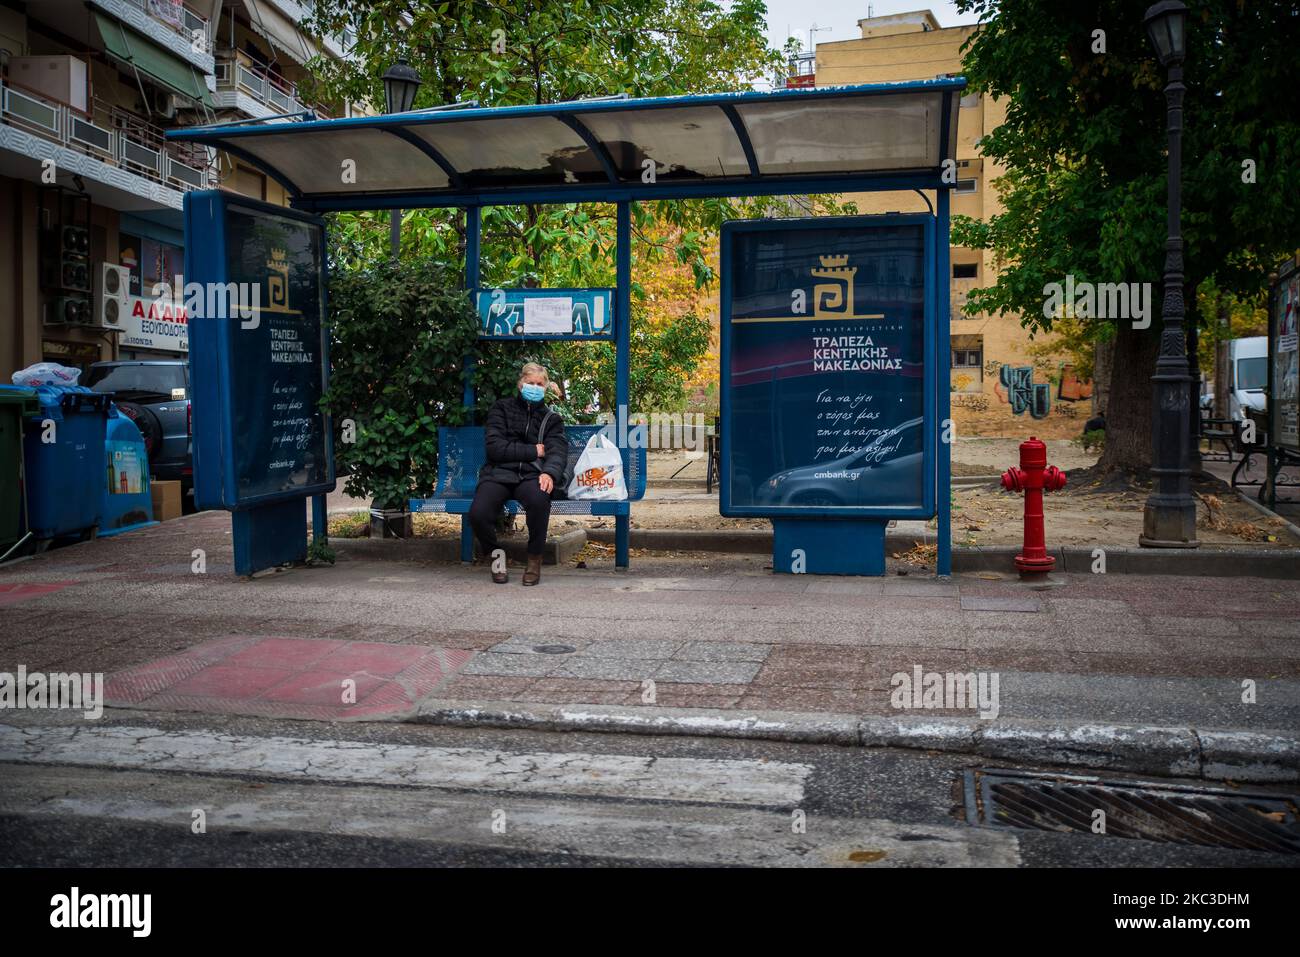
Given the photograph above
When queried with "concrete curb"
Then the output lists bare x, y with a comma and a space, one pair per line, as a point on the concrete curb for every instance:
1145, 749
1269, 513
1120, 559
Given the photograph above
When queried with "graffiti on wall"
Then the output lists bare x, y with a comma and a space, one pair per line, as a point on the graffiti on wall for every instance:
1023, 393
975, 401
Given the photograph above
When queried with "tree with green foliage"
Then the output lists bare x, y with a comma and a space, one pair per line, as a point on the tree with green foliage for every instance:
400, 332
1084, 146
513, 52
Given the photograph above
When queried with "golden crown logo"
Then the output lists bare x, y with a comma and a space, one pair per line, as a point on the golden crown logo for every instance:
834, 298
278, 281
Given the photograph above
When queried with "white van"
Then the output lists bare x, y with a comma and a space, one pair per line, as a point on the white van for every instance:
1247, 375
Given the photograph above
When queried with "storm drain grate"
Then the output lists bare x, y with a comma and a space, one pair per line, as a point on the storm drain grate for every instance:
1148, 811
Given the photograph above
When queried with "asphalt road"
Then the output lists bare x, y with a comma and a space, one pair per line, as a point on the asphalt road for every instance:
129, 790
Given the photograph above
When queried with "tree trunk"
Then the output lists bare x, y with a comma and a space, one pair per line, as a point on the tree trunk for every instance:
1103, 355
1128, 408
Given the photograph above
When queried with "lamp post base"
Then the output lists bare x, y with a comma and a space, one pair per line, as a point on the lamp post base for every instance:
1169, 526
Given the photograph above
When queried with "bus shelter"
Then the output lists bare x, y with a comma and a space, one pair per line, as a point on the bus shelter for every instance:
834, 330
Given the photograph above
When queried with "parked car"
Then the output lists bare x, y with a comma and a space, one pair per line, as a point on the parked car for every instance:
154, 394
880, 473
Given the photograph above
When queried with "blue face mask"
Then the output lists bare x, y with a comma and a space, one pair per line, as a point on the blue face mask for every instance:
531, 392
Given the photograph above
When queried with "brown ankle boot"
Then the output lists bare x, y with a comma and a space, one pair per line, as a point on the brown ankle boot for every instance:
533, 573
500, 577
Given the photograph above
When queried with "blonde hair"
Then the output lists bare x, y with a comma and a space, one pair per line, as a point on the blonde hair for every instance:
533, 368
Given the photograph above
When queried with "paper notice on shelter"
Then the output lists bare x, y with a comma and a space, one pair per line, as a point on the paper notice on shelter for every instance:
548, 315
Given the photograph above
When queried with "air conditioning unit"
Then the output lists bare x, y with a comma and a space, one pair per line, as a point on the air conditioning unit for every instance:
164, 104
67, 311
110, 296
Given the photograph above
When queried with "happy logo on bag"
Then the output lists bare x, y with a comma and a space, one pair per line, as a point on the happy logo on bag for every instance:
596, 478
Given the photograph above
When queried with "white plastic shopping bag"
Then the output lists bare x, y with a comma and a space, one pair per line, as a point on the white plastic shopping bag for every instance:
46, 373
598, 476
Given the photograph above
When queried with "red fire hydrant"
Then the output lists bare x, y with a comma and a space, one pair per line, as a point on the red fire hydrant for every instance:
1034, 477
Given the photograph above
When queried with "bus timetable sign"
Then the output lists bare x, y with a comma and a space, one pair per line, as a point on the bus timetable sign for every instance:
828, 383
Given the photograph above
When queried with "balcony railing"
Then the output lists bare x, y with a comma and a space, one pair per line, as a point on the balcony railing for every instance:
111, 135
241, 72
177, 16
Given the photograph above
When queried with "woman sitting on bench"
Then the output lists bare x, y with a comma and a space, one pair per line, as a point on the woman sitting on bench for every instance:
527, 451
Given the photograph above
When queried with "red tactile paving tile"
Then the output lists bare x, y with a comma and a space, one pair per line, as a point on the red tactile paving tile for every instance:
323, 688
373, 657
292, 653
9, 594
288, 678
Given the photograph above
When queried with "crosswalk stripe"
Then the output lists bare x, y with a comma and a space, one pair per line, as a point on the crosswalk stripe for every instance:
614, 830
750, 782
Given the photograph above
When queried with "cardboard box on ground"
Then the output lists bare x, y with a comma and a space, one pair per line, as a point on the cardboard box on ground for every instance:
166, 500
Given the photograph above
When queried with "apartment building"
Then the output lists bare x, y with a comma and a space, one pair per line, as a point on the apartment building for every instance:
91, 192
913, 46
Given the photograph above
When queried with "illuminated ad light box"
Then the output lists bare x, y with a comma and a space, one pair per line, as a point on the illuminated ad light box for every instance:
545, 313
258, 367
828, 374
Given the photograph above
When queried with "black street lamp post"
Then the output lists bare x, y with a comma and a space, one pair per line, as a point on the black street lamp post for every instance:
401, 83
1169, 518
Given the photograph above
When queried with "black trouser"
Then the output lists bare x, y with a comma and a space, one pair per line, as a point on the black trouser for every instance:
490, 496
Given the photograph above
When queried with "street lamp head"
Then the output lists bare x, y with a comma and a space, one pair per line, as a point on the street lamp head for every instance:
1165, 23
401, 81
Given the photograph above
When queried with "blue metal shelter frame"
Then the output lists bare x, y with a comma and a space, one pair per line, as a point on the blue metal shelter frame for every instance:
868, 138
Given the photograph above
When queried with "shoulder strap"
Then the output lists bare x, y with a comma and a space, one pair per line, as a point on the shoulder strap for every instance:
541, 433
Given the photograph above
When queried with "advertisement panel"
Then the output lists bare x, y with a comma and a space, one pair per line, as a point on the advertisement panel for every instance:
259, 363
827, 394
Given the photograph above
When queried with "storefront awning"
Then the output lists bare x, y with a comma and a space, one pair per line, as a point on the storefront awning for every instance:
279, 31
139, 52
839, 139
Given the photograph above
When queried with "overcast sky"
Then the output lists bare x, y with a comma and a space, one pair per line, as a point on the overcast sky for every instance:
839, 18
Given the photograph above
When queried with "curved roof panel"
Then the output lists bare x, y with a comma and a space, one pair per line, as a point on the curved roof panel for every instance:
885, 135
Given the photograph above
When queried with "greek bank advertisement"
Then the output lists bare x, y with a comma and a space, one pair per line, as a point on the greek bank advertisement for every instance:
824, 366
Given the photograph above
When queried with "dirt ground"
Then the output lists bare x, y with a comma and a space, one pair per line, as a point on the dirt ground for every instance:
1084, 513
1065, 421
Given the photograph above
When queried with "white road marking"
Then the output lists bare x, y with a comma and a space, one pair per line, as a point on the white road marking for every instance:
772, 783
629, 831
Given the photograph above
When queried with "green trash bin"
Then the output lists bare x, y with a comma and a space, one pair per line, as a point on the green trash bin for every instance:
16, 402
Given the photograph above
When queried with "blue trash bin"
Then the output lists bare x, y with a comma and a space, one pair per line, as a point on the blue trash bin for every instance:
128, 503
64, 451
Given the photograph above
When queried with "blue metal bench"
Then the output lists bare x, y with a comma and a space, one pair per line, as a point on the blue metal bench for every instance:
461, 451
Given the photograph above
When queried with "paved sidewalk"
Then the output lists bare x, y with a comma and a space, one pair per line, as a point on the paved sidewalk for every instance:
702, 632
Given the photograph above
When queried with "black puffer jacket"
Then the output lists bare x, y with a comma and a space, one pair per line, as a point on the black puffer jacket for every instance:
514, 428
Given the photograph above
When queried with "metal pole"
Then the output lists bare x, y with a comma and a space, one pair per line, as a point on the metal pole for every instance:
622, 351
623, 309
473, 228
1194, 463
943, 378
1169, 518
473, 222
